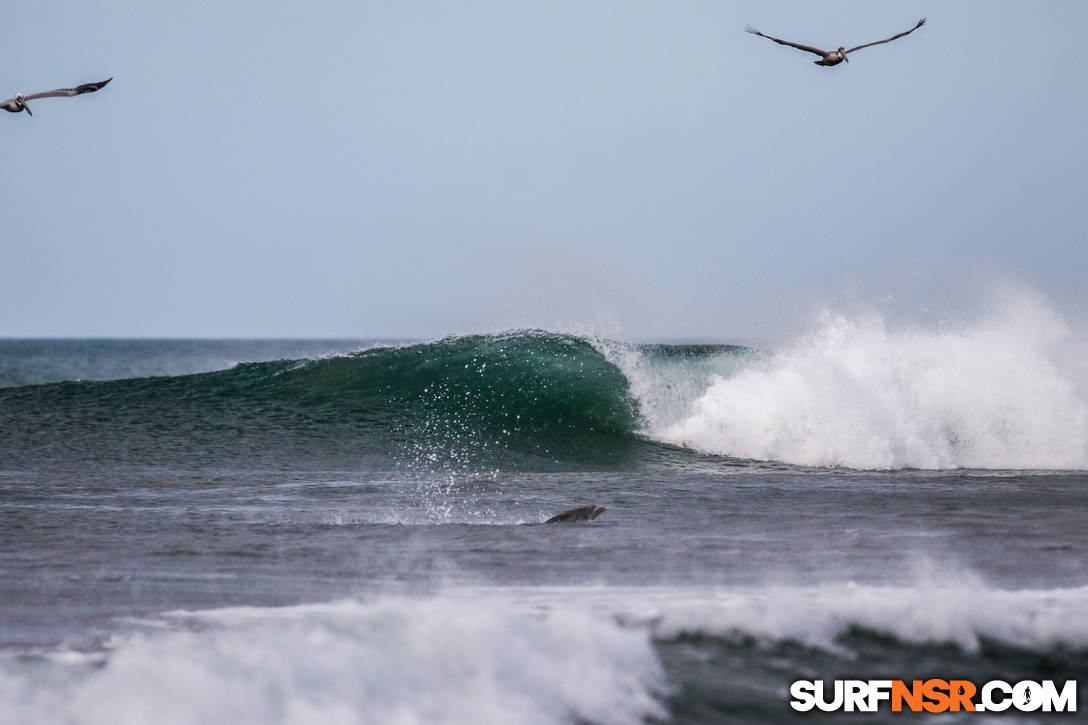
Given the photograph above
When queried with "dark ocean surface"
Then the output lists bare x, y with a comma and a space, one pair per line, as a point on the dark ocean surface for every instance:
351, 531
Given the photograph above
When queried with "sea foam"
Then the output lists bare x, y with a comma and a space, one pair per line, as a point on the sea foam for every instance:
1001, 393
928, 606
396, 662
525, 654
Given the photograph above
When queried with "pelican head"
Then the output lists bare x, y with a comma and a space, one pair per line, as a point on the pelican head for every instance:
842, 52
22, 104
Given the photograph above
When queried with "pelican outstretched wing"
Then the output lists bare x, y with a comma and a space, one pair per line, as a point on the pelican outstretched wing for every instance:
809, 48
888, 40
85, 88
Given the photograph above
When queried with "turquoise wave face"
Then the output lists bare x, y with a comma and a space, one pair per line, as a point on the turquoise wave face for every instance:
532, 400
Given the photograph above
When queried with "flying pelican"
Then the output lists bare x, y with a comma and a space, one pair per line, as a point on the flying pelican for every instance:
833, 57
19, 103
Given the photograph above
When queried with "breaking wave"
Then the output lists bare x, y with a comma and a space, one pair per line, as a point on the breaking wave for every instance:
1003, 393
396, 661
542, 655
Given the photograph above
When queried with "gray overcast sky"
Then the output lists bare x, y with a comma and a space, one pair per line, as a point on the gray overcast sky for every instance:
644, 169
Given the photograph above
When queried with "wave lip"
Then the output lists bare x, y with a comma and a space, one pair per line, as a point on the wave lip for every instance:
856, 394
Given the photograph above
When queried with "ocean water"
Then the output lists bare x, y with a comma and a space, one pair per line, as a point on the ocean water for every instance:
351, 531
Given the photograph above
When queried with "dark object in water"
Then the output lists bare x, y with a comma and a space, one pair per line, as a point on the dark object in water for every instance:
581, 513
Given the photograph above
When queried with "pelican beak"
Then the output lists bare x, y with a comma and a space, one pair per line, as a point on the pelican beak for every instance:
844, 56
26, 107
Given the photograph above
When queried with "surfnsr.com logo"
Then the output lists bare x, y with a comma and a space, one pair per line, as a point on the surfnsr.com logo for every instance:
933, 695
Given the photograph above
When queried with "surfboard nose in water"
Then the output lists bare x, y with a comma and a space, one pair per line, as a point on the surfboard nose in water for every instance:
580, 513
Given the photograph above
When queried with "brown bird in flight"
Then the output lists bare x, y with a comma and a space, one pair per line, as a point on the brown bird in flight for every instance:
19, 102
833, 57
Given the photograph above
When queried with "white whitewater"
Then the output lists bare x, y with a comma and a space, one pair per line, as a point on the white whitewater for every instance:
1005, 392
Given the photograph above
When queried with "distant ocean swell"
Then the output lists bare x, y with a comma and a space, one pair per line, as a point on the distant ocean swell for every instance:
1003, 394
